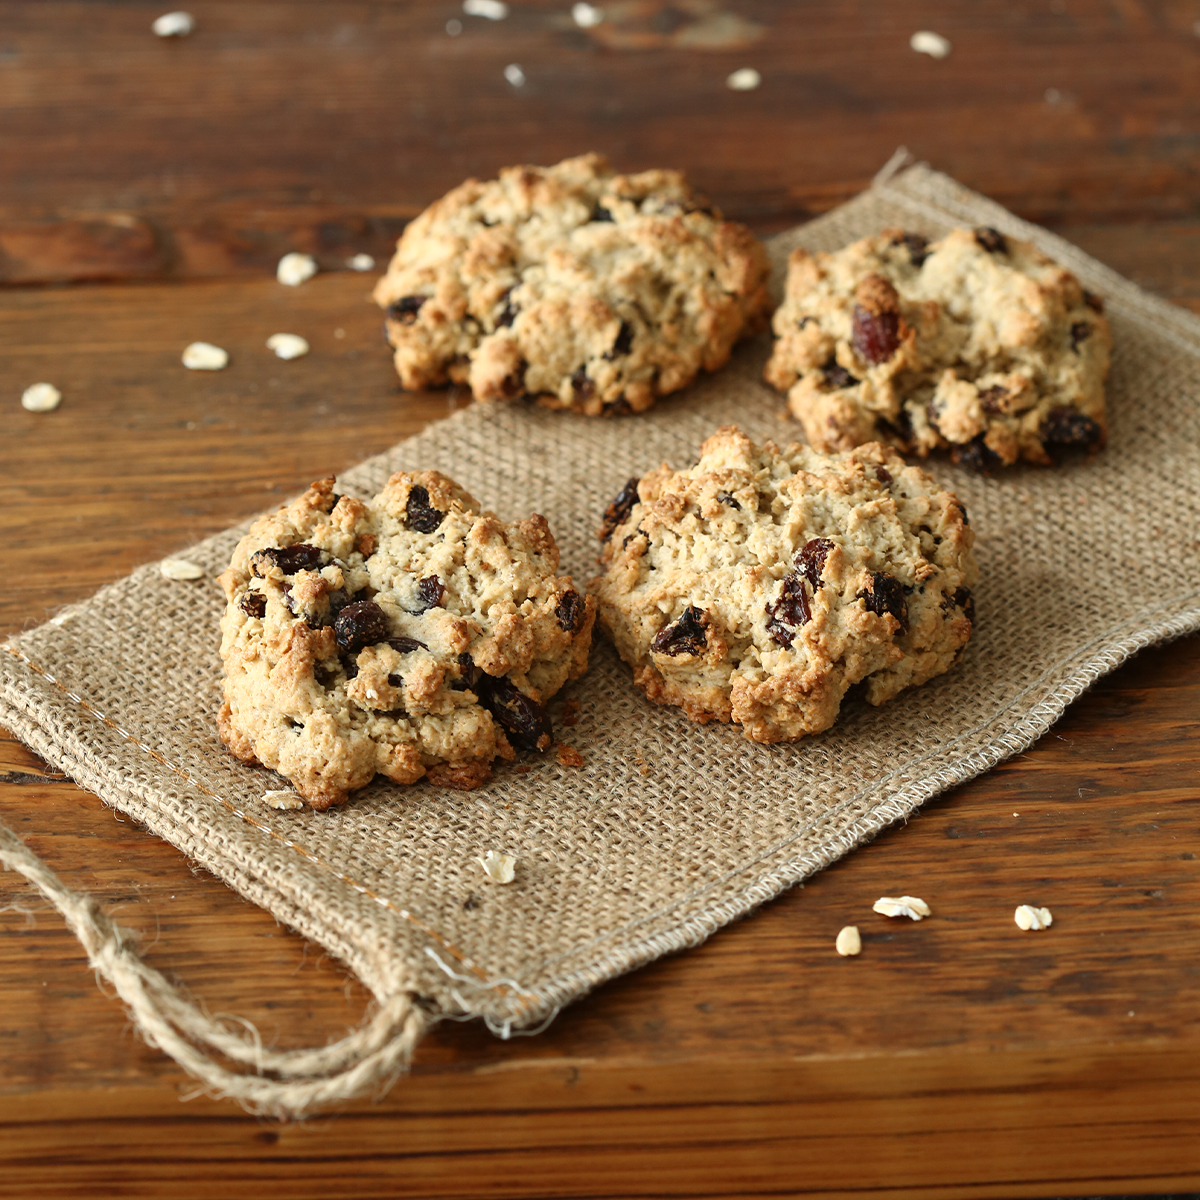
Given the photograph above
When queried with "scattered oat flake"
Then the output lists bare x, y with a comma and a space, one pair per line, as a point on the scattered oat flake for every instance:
925, 41
287, 345
515, 75
361, 262
849, 942
41, 397
294, 269
568, 756
1028, 916
499, 867
746, 79
902, 906
174, 24
494, 10
286, 800
180, 568
204, 356
587, 16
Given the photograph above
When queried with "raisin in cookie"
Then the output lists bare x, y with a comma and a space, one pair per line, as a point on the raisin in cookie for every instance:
758, 585
407, 635
585, 289
978, 343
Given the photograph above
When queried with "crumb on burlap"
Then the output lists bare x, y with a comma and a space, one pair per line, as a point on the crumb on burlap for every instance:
642, 766
570, 713
568, 756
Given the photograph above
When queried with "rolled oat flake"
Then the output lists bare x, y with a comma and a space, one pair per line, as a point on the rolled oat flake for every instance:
295, 269
41, 397
204, 356
181, 569
174, 24
499, 867
287, 345
912, 907
849, 942
1030, 917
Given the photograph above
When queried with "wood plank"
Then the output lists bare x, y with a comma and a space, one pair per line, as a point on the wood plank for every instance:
324, 127
759, 1064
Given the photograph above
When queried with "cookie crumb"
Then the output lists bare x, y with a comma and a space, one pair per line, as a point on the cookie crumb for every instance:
181, 569
294, 269
204, 356
361, 262
1028, 916
745, 79
515, 75
174, 24
285, 800
41, 397
849, 942
926, 42
287, 345
498, 866
570, 713
587, 16
568, 756
902, 906
494, 10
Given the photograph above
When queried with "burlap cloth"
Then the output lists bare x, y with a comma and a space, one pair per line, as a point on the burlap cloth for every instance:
669, 830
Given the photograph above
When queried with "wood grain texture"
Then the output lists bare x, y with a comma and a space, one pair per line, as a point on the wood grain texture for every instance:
958, 1057
326, 126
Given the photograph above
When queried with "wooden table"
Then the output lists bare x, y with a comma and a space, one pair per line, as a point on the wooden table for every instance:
963, 1058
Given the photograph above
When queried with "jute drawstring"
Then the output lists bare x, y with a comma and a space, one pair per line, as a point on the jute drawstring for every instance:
367, 1060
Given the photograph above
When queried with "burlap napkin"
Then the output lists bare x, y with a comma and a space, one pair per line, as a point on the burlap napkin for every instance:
669, 830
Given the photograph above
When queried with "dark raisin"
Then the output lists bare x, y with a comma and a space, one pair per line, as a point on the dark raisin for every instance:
1065, 429
325, 676
397, 681
525, 721
730, 499
289, 559
789, 612
253, 604
883, 475
875, 335
916, 245
620, 407
581, 385
569, 611
836, 376
1080, 332
508, 314
360, 624
900, 429
966, 602
962, 508
430, 591
349, 665
600, 213
1093, 302
421, 516
992, 240
470, 903
637, 533
804, 322
991, 398
618, 511
686, 636
406, 645
406, 308
886, 596
810, 562
513, 384
977, 455
623, 343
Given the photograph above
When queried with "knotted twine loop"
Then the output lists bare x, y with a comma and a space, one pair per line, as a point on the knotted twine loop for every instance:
367, 1061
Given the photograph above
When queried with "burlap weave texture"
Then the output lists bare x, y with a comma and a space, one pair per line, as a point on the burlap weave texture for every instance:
669, 830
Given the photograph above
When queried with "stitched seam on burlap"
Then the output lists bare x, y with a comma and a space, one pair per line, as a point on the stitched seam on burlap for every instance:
948, 777
252, 821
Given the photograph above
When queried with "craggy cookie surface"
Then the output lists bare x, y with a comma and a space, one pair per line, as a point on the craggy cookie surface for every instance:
978, 343
585, 289
408, 635
758, 585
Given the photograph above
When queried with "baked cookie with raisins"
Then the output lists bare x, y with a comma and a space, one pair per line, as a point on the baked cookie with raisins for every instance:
571, 285
409, 635
977, 343
759, 584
